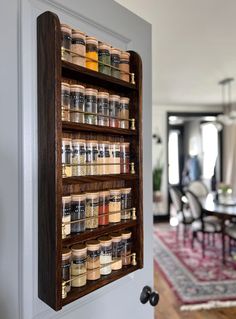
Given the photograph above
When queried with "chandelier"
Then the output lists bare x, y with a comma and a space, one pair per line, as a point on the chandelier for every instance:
229, 109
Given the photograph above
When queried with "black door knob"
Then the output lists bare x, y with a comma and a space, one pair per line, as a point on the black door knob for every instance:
154, 298
145, 294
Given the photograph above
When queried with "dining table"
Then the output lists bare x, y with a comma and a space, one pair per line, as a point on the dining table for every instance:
224, 210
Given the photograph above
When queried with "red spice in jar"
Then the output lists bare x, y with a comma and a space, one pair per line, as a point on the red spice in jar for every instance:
103, 211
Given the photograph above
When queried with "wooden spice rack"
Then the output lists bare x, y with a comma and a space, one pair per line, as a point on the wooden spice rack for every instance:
51, 186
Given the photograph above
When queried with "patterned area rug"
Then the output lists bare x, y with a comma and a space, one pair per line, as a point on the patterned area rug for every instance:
203, 282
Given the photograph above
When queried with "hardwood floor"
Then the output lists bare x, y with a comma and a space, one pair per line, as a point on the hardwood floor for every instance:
168, 307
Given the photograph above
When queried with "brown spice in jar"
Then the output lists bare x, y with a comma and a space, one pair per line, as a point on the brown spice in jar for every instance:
93, 260
124, 66
78, 46
114, 206
79, 265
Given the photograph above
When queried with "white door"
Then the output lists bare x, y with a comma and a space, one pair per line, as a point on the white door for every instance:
116, 25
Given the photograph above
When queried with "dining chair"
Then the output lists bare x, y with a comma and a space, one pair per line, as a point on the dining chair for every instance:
202, 223
183, 214
230, 231
198, 188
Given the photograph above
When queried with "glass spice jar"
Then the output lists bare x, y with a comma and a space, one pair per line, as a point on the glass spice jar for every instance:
66, 33
105, 254
65, 101
92, 157
114, 105
78, 204
66, 214
125, 203
79, 265
101, 158
78, 46
103, 108
104, 56
66, 157
92, 53
124, 66
66, 267
91, 106
92, 203
107, 158
124, 112
116, 251
125, 158
77, 101
114, 206
115, 158
115, 62
103, 211
126, 247
78, 157
93, 260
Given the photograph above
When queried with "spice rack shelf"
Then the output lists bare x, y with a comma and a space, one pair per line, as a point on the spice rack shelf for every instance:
52, 71
76, 127
101, 230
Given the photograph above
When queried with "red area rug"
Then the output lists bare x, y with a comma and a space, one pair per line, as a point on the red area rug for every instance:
197, 282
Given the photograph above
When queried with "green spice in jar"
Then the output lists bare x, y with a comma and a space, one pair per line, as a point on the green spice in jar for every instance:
78, 265
104, 56
92, 205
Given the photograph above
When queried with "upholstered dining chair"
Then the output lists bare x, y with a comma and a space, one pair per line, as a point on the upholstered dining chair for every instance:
202, 223
230, 231
183, 215
198, 188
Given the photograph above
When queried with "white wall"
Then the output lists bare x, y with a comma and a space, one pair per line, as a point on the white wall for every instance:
159, 124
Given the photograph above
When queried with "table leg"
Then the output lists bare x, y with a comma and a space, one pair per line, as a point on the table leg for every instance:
223, 239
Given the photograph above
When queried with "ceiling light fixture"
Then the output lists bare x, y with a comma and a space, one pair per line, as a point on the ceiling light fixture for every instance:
229, 108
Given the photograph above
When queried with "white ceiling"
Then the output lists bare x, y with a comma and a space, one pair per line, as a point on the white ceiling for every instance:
194, 46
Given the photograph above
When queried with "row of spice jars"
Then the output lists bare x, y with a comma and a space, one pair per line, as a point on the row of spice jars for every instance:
88, 52
91, 157
95, 258
90, 210
87, 105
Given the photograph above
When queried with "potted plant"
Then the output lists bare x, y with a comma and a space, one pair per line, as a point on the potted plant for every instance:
157, 179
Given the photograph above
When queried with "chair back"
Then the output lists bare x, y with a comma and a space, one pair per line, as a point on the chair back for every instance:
198, 188
176, 196
194, 205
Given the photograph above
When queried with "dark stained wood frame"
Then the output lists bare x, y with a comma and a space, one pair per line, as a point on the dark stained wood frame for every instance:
51, 186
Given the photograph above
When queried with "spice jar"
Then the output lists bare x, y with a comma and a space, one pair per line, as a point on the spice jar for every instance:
125, 203
78, 46
92, 202
91, 106
78, 204
115, 158
126, 248
66, 32
103, 108
104, 56
66, 214
103, 211
93, 260
105, 254
114, 206
78, 157
115, 62
66, 157
92, 157
124, 158
77, 101
65, 101
107, 157
78, 265
101, 158
92, 53
114, 104
124, 112
66, 267
124, 66
116, 251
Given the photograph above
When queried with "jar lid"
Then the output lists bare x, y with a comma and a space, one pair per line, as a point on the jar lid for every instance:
76, 197
114, 97
115, 51
93, 244
116, 237
92, 142
115, 191
77, 87
125, 55
125, 190
66, 139
67, 85
91, 40
66, 253
104, 193
92, 195
105, 240
78, 249
126, 234
78, 140
125, 143
124, 100
103, 94
66, 199
104, 46
91, 91
66, 28
78, 34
